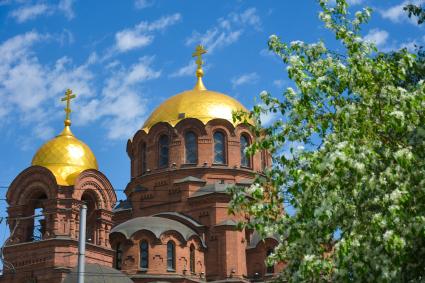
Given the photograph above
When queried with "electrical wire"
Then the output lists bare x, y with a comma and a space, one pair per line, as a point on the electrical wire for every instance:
123, 190
7, 264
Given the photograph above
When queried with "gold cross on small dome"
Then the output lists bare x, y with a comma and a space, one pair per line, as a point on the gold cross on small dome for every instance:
67, 98
199, 72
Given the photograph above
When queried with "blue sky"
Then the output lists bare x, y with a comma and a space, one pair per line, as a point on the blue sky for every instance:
123, 58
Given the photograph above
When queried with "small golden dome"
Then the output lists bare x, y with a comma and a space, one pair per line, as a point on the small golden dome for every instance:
198, 103
66, 157
204, 105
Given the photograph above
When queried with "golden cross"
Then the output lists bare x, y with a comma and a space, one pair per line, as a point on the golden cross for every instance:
67, 98
198, 53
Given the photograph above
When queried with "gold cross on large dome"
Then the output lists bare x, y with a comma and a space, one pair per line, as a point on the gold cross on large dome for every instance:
199, 51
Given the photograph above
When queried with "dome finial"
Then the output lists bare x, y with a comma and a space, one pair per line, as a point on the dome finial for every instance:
199, 72
67, 98
67, 122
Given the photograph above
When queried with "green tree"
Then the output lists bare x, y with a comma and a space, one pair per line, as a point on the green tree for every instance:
417, 11
357, 187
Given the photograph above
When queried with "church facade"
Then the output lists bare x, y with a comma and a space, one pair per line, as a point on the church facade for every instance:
173, 225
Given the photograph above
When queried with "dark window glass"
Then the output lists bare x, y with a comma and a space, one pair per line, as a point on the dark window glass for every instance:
118, 257
163, 151
171, 255
144, 158
191, 147
270, 268
144, 254
219, 148
192, 258
245, 160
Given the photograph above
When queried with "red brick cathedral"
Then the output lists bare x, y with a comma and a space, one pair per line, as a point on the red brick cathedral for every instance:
174, 224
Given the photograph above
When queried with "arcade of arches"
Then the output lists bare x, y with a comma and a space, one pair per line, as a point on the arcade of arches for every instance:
173, 225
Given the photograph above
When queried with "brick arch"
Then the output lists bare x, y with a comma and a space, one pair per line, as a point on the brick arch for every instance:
190, 124
258, 159
267, 243
93, 181
199, 244
129, 148
244, 126
134, 151
256, 257
223, 124
159, 129
115, 238
144, 234
182, 128
28, 182
140, 134
172, 235
135, 143
244, 129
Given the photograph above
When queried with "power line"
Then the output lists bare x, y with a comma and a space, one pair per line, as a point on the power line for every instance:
150, 190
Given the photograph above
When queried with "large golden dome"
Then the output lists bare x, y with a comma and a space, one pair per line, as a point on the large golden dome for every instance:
198, 103
66, 157
204, 105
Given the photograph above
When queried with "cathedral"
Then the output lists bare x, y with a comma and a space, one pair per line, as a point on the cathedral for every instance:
173, 225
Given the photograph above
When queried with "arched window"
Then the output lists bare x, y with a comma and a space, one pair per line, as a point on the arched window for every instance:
171, 256
90, 200
245, 159
192, 258
270, 268
219, 148
143, 158
37, 225
144, 254
163, 151
118, 256
191, 148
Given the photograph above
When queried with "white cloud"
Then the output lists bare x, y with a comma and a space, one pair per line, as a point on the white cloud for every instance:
248, 17
350, 2
121, 105
268, 118
227, 30
291, 149
159, 24
17, 47
354, 2
30, 91
278, 83
130, 39
250, 78
65, 37
396, 13
141, 35
65, 6
27, 13
377, 36
142, 4
187, 70
410, 45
